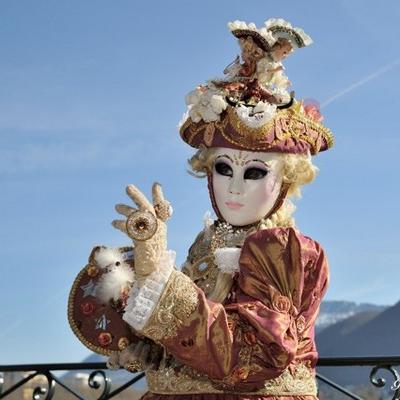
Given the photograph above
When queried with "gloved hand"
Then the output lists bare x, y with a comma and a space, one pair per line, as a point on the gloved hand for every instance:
136, 357
146, 226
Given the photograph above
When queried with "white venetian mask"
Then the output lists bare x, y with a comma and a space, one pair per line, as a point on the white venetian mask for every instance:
246, 184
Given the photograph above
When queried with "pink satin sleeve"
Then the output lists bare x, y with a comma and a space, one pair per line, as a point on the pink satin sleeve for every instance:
287, 275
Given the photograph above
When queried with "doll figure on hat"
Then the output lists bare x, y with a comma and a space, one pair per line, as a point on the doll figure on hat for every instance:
255, 81
262, 53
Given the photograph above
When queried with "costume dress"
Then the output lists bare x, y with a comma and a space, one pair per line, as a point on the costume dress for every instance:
259, 343
258, 339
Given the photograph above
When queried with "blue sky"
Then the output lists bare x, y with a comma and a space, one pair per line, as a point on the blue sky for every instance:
91, 93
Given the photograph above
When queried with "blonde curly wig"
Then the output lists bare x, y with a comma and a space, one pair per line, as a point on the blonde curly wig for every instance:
298, 170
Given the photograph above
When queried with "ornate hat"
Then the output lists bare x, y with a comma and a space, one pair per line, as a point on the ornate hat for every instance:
250, 108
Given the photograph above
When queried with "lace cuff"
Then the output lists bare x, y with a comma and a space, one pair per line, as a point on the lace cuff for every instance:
143, 299
174, 309
227, 259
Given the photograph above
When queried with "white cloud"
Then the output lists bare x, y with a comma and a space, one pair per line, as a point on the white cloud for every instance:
361, 82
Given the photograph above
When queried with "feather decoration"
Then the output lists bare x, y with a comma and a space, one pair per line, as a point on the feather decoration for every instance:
114, 282
108, 256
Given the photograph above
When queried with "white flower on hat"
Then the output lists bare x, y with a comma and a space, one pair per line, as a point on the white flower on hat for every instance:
218, 103
194, 114
193, 97
205, 104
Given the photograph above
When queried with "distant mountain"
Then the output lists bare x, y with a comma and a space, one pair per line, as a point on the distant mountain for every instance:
334, 311
368, 333
334, 333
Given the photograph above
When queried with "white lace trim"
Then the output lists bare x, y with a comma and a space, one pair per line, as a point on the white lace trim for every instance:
267, 30
227, 259
241, 25
281, 23
143, 299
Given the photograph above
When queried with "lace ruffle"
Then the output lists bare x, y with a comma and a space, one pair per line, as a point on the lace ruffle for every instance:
143, 299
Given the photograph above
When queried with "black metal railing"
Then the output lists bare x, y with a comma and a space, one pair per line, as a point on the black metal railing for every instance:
100, 384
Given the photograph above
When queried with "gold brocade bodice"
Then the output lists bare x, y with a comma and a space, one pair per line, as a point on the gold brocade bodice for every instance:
200, 265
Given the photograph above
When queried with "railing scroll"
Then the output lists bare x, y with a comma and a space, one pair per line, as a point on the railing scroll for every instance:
100, 383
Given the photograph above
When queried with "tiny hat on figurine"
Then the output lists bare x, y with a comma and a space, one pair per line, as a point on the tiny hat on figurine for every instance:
251, 107
274, 29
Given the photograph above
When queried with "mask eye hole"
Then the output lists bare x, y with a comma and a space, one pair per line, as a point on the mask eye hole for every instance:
223, 168
255, 173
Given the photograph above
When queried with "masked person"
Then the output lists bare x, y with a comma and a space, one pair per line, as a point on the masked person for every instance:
238, 319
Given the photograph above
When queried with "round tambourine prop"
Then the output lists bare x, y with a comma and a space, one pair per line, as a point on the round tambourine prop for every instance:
98, 324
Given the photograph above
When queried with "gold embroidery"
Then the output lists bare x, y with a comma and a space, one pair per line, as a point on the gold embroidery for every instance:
167, 380
281, 303
209, 134
287, 124
201, 266
245, 335
240, 159
177, 303
225, 235
300, 324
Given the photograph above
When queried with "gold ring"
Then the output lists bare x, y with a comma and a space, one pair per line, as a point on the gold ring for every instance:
134, 366
111, 365
163, 210
141, 225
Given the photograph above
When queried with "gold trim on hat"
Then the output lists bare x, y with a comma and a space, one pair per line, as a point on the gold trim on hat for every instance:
287, 124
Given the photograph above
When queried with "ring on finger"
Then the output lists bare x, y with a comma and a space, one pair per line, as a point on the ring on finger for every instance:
163, 210
134, 366
112, 365
141, 225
